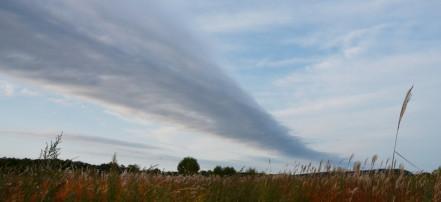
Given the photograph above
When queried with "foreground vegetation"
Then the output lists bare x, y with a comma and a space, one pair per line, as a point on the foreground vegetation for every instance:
50, 181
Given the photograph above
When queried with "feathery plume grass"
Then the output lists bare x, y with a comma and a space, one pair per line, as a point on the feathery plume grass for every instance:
403, 109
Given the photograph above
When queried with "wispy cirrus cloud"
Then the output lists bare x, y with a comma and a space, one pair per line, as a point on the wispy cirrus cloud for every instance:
80, 139
243, 21
9, 89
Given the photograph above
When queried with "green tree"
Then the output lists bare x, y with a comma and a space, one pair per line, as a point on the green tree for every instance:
188, 166
133, 168
229, 171
218, 170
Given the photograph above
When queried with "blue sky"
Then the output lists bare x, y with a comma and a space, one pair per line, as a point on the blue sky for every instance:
228, 83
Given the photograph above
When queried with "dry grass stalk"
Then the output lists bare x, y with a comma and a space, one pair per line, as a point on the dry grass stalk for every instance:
403, 109
80, 185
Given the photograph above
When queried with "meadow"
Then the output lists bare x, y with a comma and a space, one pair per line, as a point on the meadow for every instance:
54, 181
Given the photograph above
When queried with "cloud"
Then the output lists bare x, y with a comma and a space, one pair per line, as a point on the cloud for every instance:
9, 89
63, 101
352, 104
25, 91
138, 63
243, 21
80, 139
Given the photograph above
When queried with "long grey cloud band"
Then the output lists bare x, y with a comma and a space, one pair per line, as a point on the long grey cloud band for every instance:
149, 67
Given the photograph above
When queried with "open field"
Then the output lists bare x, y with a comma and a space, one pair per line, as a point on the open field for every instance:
52, 183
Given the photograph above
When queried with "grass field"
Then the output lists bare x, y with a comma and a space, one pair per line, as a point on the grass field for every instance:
305, 183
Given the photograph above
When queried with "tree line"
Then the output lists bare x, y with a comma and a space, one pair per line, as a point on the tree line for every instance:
187, 166
49, 160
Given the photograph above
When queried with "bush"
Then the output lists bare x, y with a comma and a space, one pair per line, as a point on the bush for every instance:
133, 168
251, 171
226, 171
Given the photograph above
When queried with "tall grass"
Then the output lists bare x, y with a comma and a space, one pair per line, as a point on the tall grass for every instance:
325, 183
403, 109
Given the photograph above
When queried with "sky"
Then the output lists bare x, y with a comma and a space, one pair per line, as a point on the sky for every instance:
262, 84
